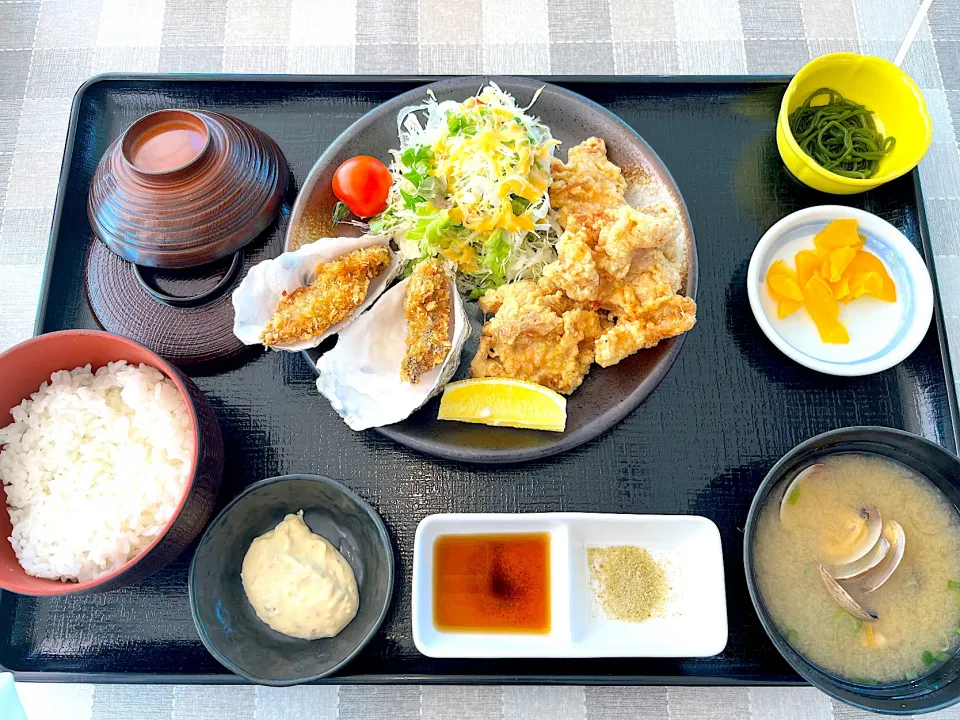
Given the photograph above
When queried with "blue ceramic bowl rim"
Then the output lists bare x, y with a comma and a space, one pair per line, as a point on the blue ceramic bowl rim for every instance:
807, 669
374, 628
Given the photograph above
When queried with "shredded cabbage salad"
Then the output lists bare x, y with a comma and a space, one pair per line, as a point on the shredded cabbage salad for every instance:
470, 185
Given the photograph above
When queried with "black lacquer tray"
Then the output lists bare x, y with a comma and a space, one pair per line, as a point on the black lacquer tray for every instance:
728, 409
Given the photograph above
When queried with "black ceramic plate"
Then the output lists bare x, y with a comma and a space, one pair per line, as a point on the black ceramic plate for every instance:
607, 395
226, 621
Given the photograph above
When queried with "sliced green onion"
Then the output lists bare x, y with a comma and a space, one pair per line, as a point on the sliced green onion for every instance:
841, 616
955, 584
340, 212
794, 496
927, 658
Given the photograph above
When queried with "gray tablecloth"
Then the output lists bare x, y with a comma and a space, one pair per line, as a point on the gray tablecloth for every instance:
49, 47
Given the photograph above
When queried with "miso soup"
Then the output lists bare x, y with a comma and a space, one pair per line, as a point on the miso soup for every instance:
850, 516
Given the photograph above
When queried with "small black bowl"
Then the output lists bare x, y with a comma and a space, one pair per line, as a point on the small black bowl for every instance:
934, 691
227, 623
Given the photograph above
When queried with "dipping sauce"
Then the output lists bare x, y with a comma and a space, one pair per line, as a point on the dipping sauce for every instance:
492, 583
167, 146
825, 521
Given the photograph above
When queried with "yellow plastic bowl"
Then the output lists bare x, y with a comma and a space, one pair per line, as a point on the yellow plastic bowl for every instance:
898, 108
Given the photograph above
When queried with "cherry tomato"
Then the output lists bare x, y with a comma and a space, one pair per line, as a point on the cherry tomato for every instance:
363, 183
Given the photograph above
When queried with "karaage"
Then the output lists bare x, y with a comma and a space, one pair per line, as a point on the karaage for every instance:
538, 337
611, 292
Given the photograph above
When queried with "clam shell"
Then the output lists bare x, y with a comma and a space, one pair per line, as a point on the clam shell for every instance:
361, 375
877, 576
867, 562
862, 544
256, 298
806, 472
842, 597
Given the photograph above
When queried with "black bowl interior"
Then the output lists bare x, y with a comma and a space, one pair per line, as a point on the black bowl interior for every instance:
934, 691
226, 621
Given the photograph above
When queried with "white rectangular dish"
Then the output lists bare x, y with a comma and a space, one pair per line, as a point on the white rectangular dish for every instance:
694, 623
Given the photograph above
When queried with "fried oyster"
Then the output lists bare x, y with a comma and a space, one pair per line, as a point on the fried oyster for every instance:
427, 310
339, 288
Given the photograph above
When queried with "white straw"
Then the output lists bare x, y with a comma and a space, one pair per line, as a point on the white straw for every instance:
912, 32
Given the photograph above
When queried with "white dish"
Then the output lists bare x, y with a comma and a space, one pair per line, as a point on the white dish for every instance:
882, 334
694, 623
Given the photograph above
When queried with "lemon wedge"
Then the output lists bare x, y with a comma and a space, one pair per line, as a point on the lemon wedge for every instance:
505, 402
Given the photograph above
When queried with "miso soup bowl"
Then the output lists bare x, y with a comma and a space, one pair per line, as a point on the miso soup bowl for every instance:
934, 691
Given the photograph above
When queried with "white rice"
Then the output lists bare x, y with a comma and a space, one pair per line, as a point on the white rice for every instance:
94, 466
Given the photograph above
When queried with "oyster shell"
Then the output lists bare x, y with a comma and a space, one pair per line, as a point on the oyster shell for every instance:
256, 298
361, 375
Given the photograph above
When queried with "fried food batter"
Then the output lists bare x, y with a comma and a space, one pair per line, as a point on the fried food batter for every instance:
339, 289
541, 338
611, 292
587, 183
427, 309
665, 317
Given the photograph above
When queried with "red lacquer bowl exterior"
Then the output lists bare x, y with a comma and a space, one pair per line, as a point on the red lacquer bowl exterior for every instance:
27, 365
208, 207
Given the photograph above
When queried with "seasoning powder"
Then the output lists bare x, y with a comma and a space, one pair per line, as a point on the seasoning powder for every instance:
632, 586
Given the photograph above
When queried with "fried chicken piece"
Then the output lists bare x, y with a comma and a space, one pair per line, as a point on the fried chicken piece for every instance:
613, 257
523, 292
652, 278
427, 309
666, 317
588, 182
339, 289
631, 230
535, 336
575, 270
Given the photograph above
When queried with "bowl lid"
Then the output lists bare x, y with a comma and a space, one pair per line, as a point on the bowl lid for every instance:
182, 188
185, 316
